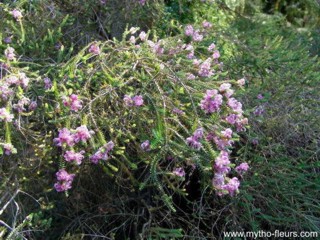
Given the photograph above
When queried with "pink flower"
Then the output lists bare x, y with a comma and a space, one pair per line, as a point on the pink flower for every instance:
143, 36
63, 175
145, 146
211, 102
102, 153
132, 40
20, 106
82, 134
138, 100
232, 118
133, 101
198, 134
259, 110
242, 168
216, 54
5, 91
196, 36
47, 83
235, 105
227, 133
33, 105
260, 96
205, 68
64, 180
189, 30
94, 49
23, 80
224, 87
128, 100
241, 82
232, 186
5, 115
190, 55
179, 172
74, 156
196, 62
109, 146
73, 102
63, 186
193, 142
12, 80
206, 24
190, 76
9, 149
16, 14
222, 163
218, 181
9, 53
211, 47
65, 138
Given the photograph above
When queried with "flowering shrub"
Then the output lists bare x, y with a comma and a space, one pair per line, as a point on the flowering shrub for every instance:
142, 102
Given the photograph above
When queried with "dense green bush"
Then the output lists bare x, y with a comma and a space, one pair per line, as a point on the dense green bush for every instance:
130, 114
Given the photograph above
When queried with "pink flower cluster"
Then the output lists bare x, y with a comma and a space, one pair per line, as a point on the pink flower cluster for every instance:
9, 53
16, 14
64, 180
133, 101
194, 140
69, 138
9, 149
193, 33
145, 146
72, 156
211, 102
20, 106
73, 102
220, 181
223, 140
94, 49
102, 153
47, 83
20, 79
5, 115
179, 172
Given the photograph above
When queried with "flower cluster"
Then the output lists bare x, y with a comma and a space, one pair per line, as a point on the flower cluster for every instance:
16, 14
133, 101
9, 148
9, 53
193, 33
20, 79
94, 49
145, 146
211, 102
102, 153
179, 172
69, 138
71, 156
194, 140
64, 180
73, 102
5, 115
220, 181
